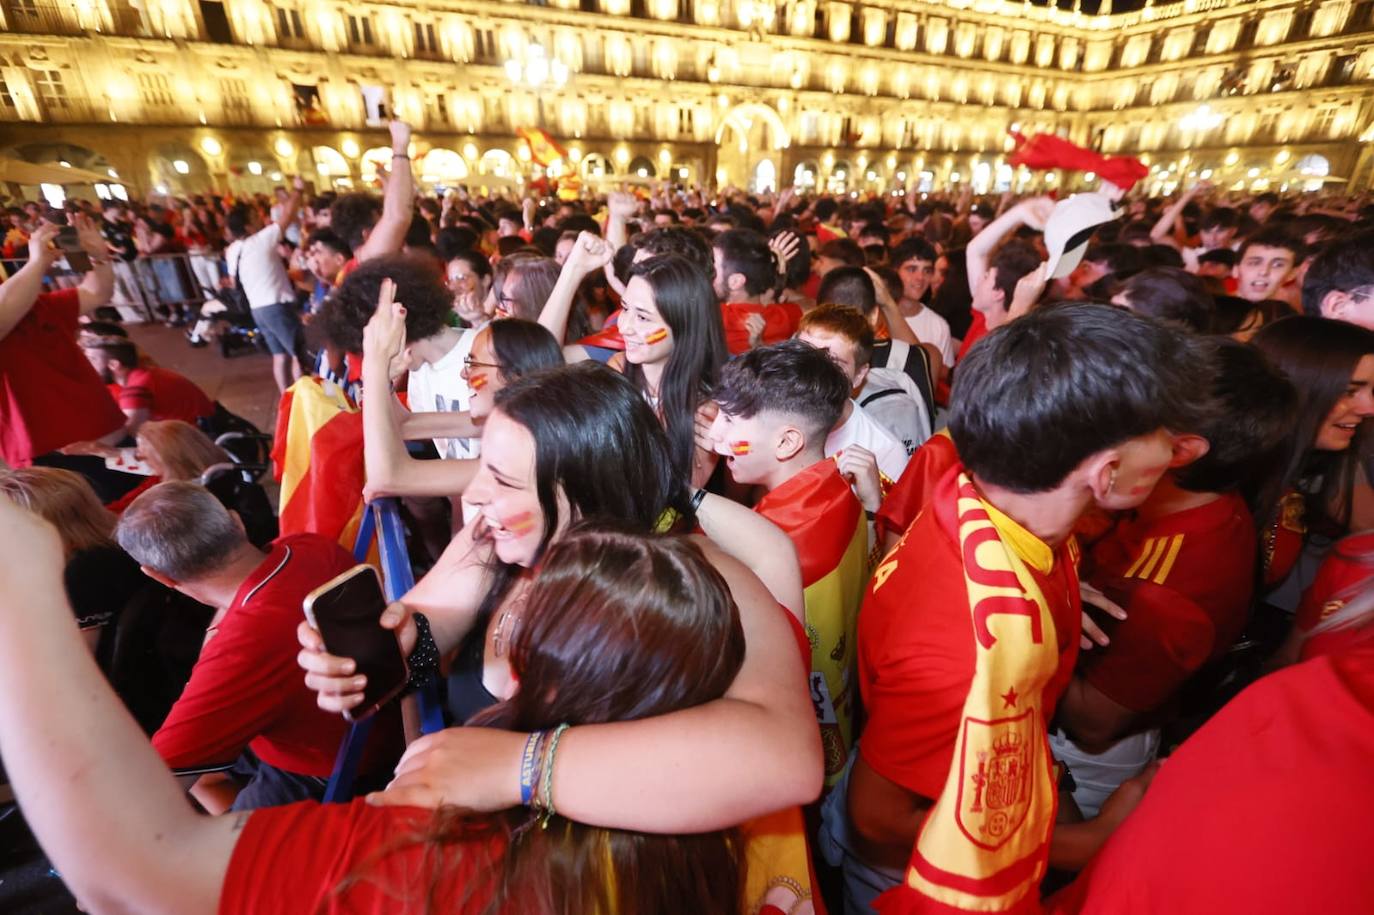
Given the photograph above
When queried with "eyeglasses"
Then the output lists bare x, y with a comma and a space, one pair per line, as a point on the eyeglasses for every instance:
469, 362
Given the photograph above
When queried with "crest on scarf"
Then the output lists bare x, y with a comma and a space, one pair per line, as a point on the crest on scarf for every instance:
997, 777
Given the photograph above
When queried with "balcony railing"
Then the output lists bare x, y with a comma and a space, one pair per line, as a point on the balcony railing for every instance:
33, 17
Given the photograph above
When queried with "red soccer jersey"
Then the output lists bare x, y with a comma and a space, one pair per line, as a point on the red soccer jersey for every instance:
779, 323
916, 649
1343, 574
288, 860
49, 394
165, 395
1263, 810
911, 493
1185, 581
246, 689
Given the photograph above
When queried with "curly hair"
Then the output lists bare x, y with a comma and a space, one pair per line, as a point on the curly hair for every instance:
419, 287
351, 216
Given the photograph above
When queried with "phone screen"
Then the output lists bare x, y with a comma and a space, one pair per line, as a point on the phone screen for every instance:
77, 258
347, 612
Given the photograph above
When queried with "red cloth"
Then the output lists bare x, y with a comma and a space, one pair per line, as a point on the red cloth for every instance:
1185, 581
913, 490
779, 323
246, 689
1047, 151
609, 334
1344, 573
318, 458
124, 501
1283, 539
1263, 810
165, 394
916, 653
977, 330
289, 859
50, 396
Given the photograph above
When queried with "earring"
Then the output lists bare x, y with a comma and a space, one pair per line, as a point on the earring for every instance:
1111, 482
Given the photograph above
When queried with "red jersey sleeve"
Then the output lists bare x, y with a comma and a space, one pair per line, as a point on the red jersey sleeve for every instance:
1348, 566
1165, 638
62, 308
290, 860
137, 391
909, 495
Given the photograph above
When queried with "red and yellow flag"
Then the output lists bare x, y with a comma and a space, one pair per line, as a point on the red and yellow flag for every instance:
544, 150
984, 847
819, 512
318, 457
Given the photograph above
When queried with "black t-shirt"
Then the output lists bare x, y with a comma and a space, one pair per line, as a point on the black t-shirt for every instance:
100, 583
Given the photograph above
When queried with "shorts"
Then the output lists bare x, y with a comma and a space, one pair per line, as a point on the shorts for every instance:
280, 324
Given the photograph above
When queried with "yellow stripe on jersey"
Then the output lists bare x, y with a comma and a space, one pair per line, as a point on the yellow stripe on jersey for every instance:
1145, 551
1167, 566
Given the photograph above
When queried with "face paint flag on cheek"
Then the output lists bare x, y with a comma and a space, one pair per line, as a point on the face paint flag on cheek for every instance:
739, 448
657, 336
522, 523
477, 382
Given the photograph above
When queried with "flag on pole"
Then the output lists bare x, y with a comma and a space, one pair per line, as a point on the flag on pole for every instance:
544, 150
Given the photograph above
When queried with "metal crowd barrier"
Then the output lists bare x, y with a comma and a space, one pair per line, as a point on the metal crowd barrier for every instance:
166, 281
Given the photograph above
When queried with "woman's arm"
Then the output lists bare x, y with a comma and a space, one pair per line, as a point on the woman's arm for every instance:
102, 804
755, 751
435, 424
588, 254
758, 543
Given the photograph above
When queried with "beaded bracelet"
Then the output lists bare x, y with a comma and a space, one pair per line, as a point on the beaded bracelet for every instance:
547, 801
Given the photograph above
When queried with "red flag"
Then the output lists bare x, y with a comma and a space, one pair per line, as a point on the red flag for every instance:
544, 150
1046, 151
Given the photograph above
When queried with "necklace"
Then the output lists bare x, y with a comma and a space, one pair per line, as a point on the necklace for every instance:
501, 637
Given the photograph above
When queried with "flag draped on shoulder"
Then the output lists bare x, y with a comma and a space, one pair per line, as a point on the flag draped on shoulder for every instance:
984, 847
820, 514
318, 458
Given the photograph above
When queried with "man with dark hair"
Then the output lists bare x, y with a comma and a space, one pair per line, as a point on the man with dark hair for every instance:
257, 269
1169, 294
995, 268
245, 703
1183, 568
914, 260
1267, 260
664, 218
836, 253
969, 631
1262, 206
1103, 266
1339, 284
145, 392
777, 405
325, 255
745, 270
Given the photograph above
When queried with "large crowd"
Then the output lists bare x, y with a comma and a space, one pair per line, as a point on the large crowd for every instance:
773, 553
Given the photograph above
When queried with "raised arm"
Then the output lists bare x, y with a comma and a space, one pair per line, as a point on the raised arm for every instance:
19, 293
102, 804
897, 328
620, 206
1032, 212
588, 254
292, 206
1166, 231
755, 751
398, 203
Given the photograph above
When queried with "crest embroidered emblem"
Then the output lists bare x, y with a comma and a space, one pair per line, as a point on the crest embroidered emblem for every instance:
997, 777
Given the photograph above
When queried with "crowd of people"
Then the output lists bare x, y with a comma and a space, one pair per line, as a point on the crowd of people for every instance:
775, 553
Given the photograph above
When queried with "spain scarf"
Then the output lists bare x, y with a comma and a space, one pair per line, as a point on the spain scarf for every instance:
825, 522
985, 844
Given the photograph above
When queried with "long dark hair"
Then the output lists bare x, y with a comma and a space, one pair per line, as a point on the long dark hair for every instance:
619, 626
1319, 356
523, 347
598, 443
685, 299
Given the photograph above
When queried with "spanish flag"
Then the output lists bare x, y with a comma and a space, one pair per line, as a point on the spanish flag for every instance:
819, 512
984, 846
544, 150
927, 466
318, 458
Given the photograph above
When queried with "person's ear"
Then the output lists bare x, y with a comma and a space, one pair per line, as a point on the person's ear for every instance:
735, 282
790, 442
1187, 449
1100, 472
861, 378
238, 522
158, 577
1335, 304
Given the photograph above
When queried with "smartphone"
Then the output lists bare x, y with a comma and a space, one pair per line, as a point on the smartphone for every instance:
76, 256
347, 612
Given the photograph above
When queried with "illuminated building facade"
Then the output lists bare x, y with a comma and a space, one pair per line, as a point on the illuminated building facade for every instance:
188, 94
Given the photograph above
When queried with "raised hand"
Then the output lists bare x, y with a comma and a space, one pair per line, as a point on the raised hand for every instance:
859, 466
589, 253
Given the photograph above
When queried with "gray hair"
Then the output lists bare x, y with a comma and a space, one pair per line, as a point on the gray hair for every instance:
180, 530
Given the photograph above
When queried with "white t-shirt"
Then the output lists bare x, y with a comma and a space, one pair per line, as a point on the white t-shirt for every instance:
930, 327
891, 398
261, 271
861, 429
439, 387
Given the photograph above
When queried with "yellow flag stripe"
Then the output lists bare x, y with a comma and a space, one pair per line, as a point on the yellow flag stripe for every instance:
1167, 565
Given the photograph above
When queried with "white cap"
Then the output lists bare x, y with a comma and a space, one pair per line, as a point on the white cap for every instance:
1070, 226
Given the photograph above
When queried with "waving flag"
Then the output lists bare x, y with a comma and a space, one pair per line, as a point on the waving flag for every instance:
318, 458
544, 150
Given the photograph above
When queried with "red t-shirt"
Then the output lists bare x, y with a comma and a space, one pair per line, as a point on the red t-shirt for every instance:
165, 394
1344, 572
50, 396
288, 860
246, 689
977, 330
1185, 581
1263, 810
913, 490
916, 654
779, 323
